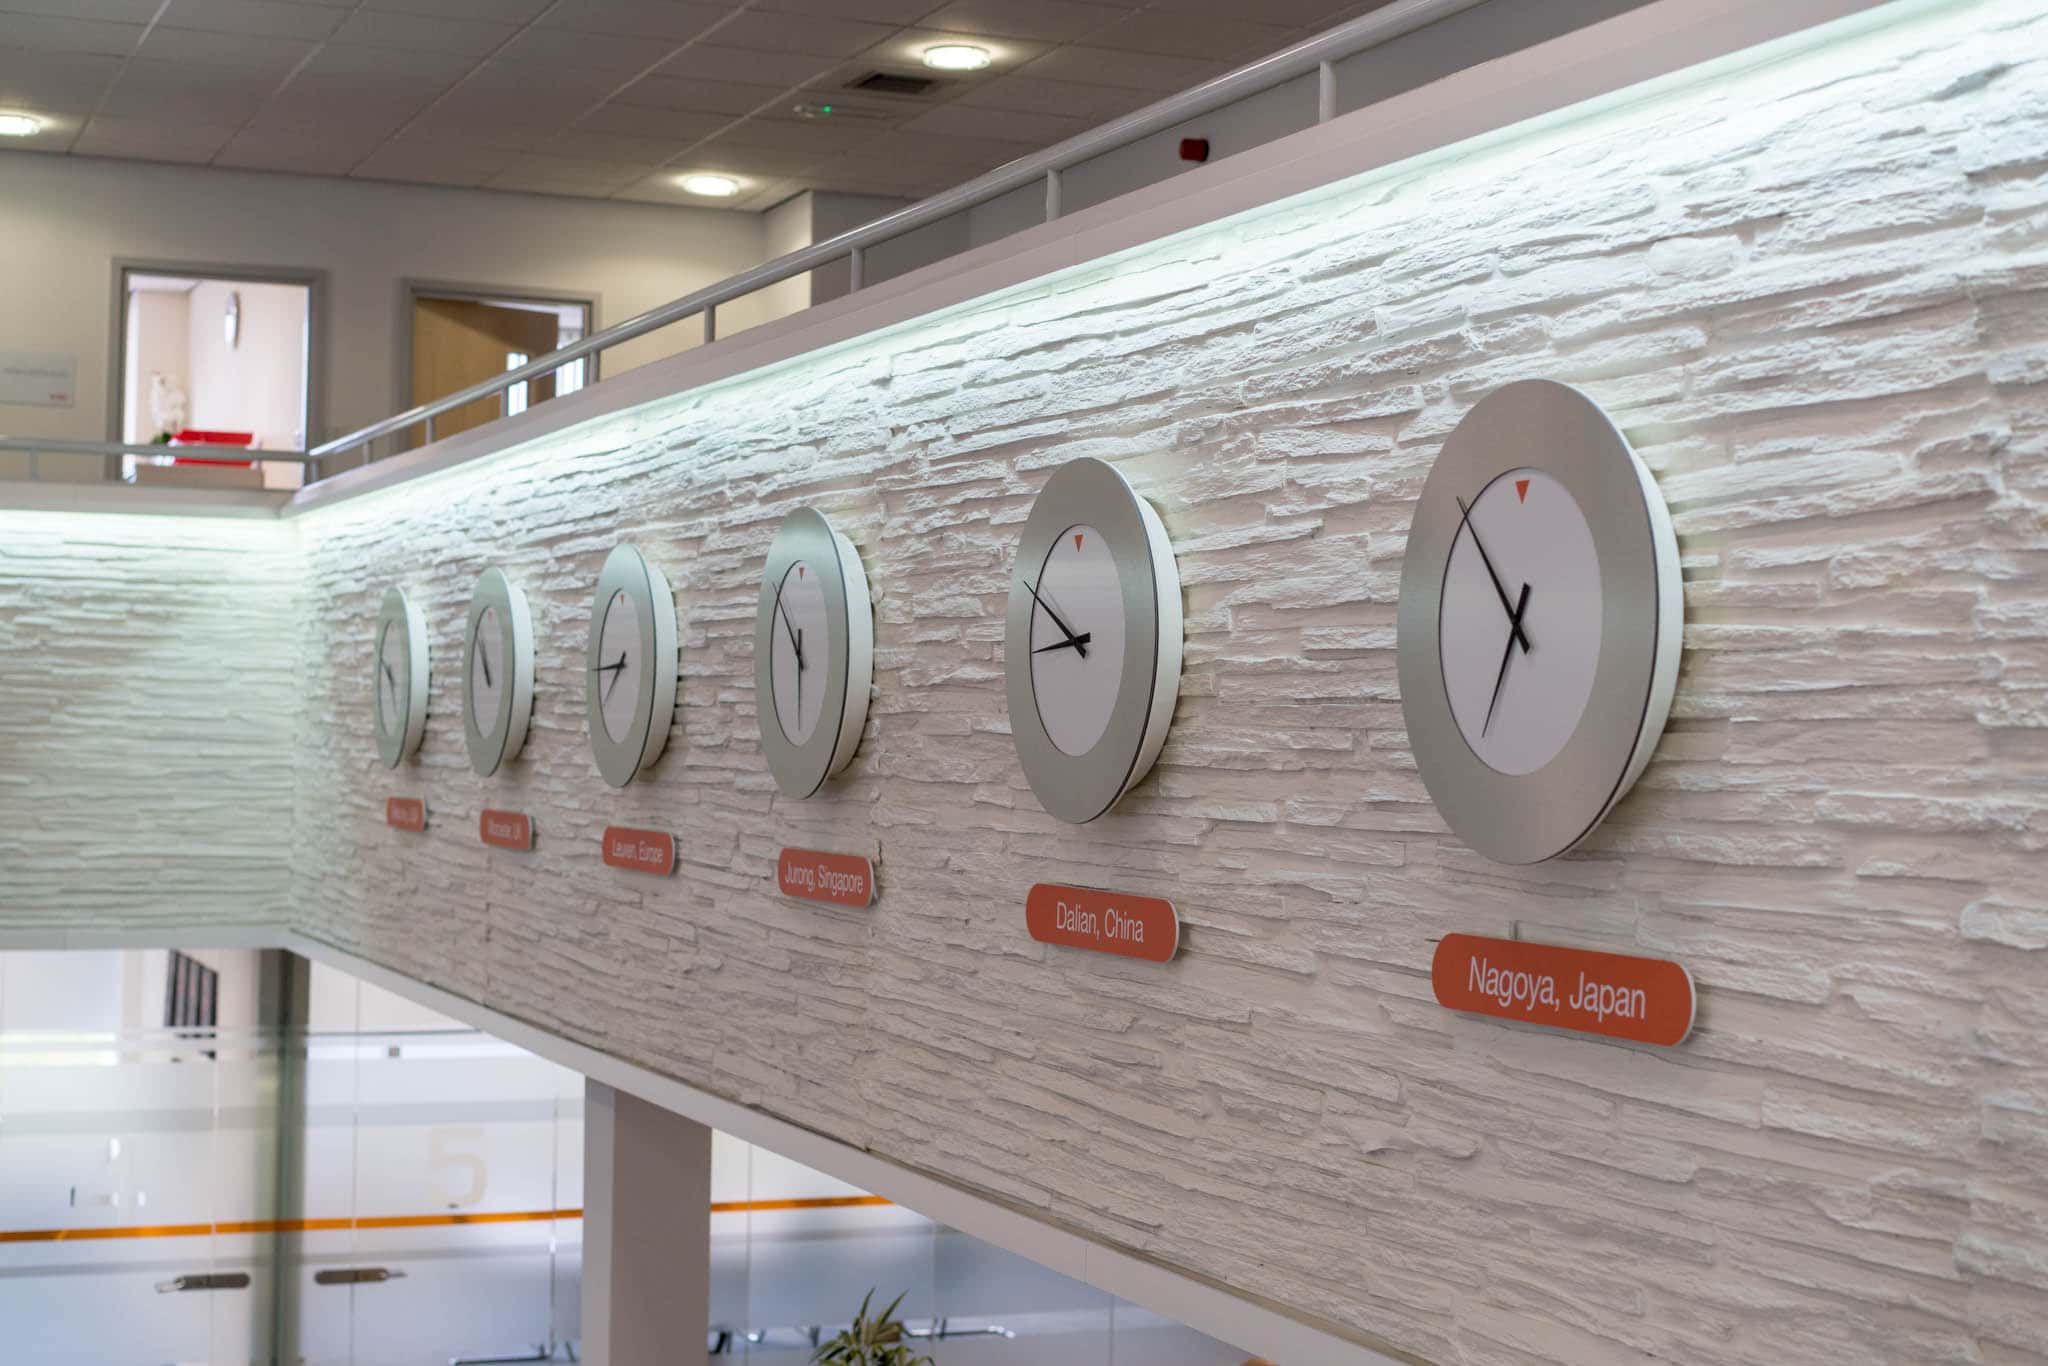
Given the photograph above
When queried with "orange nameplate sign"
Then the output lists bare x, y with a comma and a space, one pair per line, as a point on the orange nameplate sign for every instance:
837, 879
505, 829
1108, 922
1648, 1000
641, 851
405, 813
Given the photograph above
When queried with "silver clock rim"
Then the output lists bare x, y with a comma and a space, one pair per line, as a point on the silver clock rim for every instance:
396, 742
801, 769
490, 749
1527, 818
1079, 788
628, 571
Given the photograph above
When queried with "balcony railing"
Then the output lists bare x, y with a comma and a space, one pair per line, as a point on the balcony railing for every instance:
1316, 56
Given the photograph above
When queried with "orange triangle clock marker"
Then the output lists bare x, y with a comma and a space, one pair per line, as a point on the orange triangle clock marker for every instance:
1077, 540
1521, 490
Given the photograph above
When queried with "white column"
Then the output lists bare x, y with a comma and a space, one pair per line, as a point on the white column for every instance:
646, 1232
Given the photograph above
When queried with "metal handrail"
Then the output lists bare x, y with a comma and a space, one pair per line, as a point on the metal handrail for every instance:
52, 445
1317, 56
1313, 55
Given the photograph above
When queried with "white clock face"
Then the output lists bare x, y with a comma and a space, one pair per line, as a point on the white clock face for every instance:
487, 667
391, 678
1077, 639
799, 654
1519, 625
619, 672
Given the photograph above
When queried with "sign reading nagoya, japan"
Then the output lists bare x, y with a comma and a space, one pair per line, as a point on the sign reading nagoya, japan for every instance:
1107, 922
1648, 1000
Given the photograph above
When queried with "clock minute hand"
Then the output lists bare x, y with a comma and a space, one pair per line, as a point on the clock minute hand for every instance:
1075, 642
795, 641
1506, 654
1080, 647
1514, 617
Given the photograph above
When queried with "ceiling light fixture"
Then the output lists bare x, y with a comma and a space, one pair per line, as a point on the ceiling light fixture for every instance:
710, 186
19, 126
956, 57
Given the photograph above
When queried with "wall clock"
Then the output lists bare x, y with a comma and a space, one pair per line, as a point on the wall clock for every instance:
814, 645
399, 679
1093, 641
630, 678
1540, 621
497, 672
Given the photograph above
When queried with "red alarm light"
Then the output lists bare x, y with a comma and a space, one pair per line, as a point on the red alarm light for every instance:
1194, 149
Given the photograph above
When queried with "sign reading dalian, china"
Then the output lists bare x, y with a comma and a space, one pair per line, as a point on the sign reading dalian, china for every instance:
1648, 1000
1107, 922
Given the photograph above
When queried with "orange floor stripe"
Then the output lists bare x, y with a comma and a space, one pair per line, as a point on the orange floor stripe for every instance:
77, 1235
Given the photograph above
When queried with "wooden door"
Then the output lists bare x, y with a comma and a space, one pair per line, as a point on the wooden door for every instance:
457, 342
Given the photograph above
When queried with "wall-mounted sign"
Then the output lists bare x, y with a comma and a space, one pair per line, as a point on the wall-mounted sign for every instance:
405, 813
1648, 1000
836, 879
640, 851
39, 379
1107, 922
506, 830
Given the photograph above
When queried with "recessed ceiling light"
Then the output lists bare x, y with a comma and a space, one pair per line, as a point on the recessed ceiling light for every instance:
710, 186
956, 57
19, 126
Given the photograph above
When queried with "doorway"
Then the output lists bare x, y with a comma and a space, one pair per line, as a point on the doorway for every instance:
457, 336
216, 364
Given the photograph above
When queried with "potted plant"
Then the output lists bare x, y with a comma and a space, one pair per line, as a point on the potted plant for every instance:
876, 1341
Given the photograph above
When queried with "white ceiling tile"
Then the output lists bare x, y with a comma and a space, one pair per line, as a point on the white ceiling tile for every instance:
116, 11
876, 11
68, 35
1010, 125
1056, 21
54, 82
754, 163
354, 61
818, 35
1294, 13
810, 138
345, 100
1094, 103
713, 62
1182, 34
1127, 70
624, 148
640, 120
255, 53
383, 28
154, 89
272, 17
498, 11
151, 139
440, 161
564, 175
712, 97
318, 151
621, 55
636, 18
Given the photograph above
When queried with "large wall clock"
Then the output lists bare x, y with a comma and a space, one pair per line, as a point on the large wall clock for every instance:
630, 677
497, 672
1093, 640
1541, 616
814, 645
399, 682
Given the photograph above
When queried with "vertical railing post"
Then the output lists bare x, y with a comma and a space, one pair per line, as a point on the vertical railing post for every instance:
711, 322
1326, 92
430, 429
856, 267
1052, 194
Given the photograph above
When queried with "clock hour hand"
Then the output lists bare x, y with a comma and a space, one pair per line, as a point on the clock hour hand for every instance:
1078, 642
483, 657
613, 669
1514, 617
796, 637
1515, 627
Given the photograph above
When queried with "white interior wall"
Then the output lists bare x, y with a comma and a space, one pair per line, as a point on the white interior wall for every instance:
66, 220
157, 343
258, 384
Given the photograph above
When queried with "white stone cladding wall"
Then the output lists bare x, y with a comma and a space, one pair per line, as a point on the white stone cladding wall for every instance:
1816, 297
147, 675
